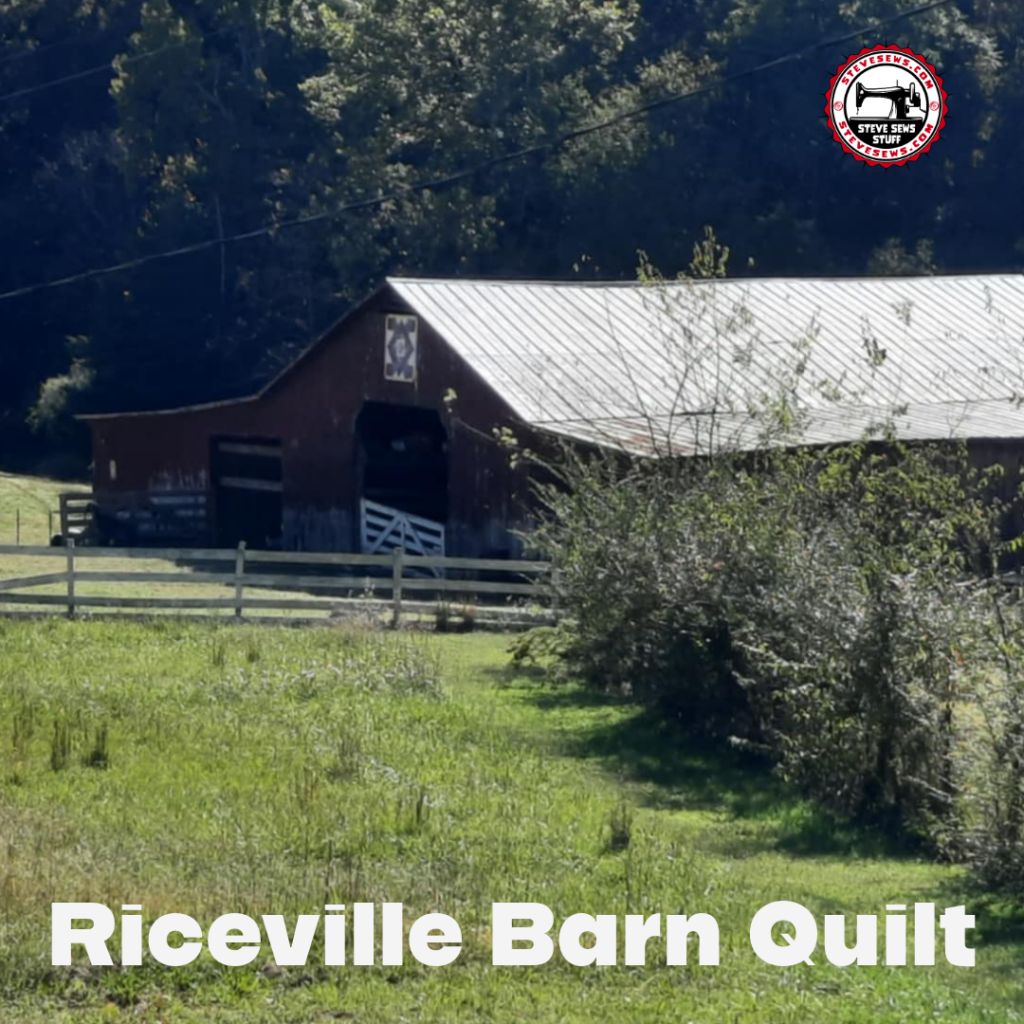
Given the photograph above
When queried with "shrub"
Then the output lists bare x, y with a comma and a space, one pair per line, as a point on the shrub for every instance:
988, 829
807, 603
833, 608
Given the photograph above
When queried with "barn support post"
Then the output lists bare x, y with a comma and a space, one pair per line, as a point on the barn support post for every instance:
71, 577
239, 578
397, 569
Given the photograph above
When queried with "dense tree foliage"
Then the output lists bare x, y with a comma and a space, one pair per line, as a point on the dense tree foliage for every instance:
186, 121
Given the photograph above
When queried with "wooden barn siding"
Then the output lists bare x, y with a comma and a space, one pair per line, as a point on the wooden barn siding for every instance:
313, 411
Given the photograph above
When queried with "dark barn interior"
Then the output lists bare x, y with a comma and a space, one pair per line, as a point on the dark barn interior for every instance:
246, 476
402, 459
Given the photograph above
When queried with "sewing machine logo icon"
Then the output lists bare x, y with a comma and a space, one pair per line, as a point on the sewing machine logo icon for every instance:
886, 105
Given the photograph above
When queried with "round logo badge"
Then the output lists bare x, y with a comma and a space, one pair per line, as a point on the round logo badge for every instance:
886, 105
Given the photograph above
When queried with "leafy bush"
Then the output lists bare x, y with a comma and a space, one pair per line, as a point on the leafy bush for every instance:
988, 829
808, 603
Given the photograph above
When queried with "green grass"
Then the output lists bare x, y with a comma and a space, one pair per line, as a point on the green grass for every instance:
267, 770
31, 499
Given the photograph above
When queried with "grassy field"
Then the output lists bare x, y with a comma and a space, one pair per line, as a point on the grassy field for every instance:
30, 500
207, 769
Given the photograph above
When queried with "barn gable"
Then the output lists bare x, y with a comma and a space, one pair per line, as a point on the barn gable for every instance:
378, 411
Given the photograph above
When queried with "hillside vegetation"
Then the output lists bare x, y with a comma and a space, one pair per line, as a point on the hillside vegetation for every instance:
207, 770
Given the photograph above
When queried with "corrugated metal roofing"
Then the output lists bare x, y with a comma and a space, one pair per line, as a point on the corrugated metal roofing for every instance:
603, 362
686, 435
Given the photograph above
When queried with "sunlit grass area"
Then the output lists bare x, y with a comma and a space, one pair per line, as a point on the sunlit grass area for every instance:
208, 769
29, 507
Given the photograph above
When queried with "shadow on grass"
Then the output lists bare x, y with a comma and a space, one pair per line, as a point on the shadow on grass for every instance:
684, 772
999, 921
999, 925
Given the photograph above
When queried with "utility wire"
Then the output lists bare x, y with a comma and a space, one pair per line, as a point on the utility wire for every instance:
25, 54
84, 38
444, 181
101, 68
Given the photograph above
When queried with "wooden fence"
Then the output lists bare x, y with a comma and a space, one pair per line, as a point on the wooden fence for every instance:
397, 574
75, 512
174, 517
20, 524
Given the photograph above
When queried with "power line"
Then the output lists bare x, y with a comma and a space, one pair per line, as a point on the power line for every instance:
32, 52
100, 68
444, 181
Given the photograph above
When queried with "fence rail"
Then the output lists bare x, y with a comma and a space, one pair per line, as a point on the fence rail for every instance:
396, 574
75, 512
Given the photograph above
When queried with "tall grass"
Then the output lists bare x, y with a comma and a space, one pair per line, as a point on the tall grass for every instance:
207, 770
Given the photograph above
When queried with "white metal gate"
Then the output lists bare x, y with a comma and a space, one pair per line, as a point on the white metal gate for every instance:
385, 528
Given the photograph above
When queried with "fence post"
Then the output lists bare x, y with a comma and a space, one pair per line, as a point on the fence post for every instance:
71, 577
239, 578
17, 526
397, 568
49, 525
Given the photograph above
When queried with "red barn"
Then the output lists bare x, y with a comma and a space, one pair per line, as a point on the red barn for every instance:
379, 418
384, 430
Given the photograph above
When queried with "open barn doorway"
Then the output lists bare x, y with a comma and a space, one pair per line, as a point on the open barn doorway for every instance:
402, 461
247, 478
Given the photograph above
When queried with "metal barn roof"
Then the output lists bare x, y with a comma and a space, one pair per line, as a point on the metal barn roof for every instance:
687, 363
